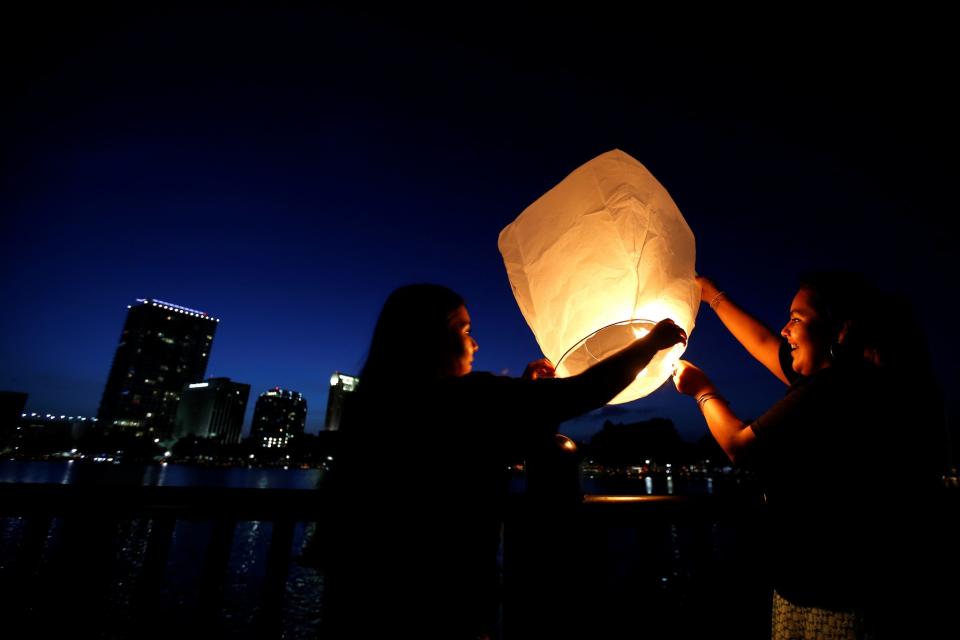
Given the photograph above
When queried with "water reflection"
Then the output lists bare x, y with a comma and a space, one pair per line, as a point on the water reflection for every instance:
163, 474
67, 473
154, 475
177, 475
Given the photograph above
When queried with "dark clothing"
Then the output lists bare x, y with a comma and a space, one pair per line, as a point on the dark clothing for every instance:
818, 458
846, 489
418, 492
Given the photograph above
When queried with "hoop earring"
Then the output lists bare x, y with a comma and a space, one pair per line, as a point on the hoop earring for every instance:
835, 351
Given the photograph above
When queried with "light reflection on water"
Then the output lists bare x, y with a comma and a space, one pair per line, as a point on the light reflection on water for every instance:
162, 475
175, 475
67, 473
658, 485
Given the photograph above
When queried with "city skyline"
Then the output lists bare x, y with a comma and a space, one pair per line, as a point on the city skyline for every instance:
285, 169
162, 349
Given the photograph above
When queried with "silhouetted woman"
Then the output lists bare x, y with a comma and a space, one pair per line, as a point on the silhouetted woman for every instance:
419, 484
841, 531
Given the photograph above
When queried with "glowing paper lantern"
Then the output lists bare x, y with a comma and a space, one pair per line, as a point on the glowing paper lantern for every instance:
599, 259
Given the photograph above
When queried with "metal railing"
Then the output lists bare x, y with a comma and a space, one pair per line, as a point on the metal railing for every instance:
668, 565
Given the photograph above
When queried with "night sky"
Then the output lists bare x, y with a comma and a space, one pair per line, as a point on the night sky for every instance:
284, 169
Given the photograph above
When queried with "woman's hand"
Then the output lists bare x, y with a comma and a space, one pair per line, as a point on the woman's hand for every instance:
538, 369
665, 335
708, 289
691, 380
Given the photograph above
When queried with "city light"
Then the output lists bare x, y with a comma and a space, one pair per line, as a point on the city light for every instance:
178, 308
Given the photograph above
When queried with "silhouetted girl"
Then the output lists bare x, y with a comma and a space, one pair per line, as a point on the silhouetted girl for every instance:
419, 485
843, 526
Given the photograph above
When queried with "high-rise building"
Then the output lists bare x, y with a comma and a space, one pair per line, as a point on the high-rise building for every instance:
278, 416
163, 348
213, 409
340, 385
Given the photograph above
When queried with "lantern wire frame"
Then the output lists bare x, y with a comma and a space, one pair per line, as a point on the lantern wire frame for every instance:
611, 338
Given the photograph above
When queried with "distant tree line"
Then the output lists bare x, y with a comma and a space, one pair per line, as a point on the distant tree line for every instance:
657, 439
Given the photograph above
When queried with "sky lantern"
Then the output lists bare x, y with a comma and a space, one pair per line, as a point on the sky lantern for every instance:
599, 259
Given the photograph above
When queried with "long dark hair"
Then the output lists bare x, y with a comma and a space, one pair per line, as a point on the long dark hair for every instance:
412, 340
885, 330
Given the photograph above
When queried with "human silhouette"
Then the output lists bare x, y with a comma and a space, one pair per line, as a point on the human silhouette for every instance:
416, 494
841, 532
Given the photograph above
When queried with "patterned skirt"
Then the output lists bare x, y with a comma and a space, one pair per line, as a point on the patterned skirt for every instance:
795, 622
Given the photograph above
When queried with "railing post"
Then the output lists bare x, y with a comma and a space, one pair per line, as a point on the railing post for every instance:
540, 546
275, 581
153, 569
215, 565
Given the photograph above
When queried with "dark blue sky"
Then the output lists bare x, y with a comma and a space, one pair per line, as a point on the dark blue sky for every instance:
284, 169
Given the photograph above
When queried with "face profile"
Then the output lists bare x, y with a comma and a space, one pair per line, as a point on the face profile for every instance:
466, 346
807, 334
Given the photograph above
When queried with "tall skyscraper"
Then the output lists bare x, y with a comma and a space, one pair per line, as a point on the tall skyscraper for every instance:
213, 409
340, 385
163, 348
278, 416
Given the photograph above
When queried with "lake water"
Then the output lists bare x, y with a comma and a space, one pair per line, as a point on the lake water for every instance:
175, 475
164, 475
